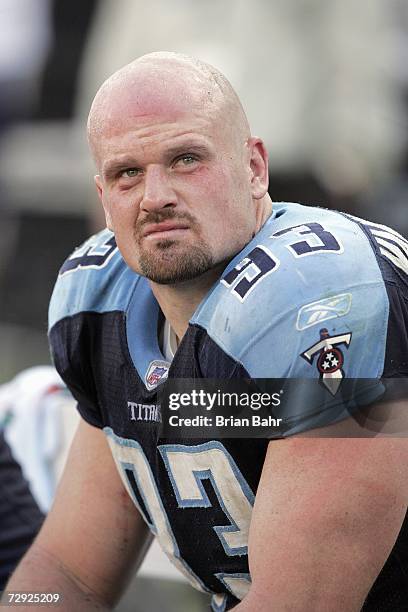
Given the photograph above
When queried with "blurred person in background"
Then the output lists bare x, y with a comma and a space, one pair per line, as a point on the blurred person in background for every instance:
184, 189
20, 516
33, 434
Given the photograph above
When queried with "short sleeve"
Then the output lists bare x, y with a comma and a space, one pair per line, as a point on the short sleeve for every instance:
71, 353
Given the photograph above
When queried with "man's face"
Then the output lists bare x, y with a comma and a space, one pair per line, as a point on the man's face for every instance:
175, 186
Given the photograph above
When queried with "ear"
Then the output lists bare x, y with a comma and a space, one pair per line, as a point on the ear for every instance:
99, 189
258, 163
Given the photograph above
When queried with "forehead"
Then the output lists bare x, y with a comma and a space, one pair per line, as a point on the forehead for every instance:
152, 135
149, 127
155, 99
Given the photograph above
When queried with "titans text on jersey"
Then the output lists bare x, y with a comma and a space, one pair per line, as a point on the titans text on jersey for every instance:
316, 294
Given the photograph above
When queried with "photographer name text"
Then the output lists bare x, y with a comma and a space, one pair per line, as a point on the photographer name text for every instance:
221, 421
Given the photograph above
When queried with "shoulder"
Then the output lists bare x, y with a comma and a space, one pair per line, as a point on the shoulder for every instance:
93, 281
94, 278
308, 272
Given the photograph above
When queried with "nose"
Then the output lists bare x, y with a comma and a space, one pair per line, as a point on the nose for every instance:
158, 192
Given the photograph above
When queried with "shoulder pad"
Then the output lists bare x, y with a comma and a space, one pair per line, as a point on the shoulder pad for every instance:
93, 278
309, 273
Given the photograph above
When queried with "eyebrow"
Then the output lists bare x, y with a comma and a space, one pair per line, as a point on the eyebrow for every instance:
112, 167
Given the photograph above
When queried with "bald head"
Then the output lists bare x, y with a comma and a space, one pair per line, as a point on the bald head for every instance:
165, 83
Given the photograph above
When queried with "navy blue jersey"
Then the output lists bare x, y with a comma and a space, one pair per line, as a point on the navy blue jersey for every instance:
315, 295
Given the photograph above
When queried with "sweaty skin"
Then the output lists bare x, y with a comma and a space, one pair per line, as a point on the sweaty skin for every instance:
182, 182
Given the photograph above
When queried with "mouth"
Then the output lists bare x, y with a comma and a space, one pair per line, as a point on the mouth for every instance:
167, 229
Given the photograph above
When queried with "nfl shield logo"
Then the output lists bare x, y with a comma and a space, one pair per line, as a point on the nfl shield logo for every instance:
156, 373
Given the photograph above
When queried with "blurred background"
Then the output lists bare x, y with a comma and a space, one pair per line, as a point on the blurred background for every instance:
325, 84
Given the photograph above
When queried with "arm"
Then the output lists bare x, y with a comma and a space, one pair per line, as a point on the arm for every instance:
326, 516
92, 536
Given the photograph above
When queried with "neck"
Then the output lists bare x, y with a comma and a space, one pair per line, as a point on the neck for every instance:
263, 212
178, 302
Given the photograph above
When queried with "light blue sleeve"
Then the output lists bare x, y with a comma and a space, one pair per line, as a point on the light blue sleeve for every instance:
318, 311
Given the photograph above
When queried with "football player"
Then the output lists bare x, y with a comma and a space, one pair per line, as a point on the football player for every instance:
199, 275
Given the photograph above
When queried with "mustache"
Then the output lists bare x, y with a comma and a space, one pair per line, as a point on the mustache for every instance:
164, 215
